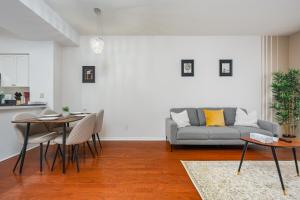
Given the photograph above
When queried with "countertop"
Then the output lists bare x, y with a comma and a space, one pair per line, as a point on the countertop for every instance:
23, 106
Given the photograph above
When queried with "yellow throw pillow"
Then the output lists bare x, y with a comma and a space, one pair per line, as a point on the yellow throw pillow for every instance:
214, 117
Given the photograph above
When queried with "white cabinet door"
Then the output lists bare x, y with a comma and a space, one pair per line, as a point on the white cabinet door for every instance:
22, 64
8, 70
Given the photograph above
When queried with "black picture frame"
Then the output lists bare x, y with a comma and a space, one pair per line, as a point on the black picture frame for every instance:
187, 67
225, 67
88, 74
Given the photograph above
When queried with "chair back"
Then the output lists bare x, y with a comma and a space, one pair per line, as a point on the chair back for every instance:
48, 111
99, 121
50, 126
82, 131
20, 129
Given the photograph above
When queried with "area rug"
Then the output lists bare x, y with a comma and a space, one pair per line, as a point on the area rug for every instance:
258, 180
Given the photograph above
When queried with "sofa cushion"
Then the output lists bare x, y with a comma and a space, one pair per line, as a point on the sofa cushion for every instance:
246, 130
229, 115
214, 117
223, 133
192, 113
181, 119
243, 118
192, 133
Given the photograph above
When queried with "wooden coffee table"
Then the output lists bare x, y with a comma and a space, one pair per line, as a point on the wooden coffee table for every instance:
280, 144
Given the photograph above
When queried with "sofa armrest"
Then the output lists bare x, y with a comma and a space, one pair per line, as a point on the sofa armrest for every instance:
270, 126
171, 130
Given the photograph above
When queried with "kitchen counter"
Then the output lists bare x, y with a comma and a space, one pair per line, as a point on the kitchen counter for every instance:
10, 145
28, 106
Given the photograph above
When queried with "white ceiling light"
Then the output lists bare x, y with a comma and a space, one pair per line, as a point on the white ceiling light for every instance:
97, 43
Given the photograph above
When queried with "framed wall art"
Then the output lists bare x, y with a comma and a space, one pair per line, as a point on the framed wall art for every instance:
187, 67
88, 74
225, 67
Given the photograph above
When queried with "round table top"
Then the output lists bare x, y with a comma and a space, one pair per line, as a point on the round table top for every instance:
294, 144
67, 119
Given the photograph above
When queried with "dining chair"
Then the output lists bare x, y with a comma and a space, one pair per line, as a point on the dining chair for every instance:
48, 111
51, 127
80, 134
57, 127
98, 129
38, 134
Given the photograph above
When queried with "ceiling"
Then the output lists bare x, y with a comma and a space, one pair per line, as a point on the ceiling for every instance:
182, 17
34, 20
6, 33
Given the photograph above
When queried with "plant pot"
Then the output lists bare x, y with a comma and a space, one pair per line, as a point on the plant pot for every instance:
65, 114
286, 130
18, 102
289, 131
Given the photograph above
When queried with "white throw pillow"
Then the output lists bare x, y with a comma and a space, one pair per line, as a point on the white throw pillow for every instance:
181, 119
244, 119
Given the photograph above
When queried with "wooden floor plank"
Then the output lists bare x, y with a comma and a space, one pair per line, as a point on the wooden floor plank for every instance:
124, 170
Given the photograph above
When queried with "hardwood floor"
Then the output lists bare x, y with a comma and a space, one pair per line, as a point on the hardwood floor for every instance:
124, 170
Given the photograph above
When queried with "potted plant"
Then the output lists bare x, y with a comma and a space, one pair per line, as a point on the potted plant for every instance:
18, 96
286, 105
2, 95
65, 110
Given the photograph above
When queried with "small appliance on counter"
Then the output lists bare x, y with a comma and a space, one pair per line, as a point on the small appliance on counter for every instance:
10, 102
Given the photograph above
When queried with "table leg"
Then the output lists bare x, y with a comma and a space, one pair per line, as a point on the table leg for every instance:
278, 169
243, 155
64, 150
24, 148
41, 157
295, 158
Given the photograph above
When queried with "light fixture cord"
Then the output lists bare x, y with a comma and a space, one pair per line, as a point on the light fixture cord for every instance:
99, 24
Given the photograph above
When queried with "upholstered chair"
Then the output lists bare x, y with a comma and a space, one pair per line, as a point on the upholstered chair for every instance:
48, 111
38, 134
98, 128
80, 134
51, 126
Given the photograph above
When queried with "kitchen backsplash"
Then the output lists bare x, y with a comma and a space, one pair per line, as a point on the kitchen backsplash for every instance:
10, 92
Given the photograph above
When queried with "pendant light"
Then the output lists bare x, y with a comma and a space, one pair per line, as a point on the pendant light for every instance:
97, 43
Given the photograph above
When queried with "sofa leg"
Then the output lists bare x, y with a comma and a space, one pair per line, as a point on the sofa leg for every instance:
171, 148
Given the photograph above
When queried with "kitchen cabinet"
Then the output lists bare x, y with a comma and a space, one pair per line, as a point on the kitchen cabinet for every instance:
22, 66
14, 70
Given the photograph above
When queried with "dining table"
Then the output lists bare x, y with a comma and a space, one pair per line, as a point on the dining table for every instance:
63, 120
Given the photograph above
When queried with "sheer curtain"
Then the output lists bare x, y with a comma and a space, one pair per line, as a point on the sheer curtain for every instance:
275, 57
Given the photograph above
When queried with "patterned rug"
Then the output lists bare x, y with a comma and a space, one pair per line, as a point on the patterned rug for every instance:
258, 180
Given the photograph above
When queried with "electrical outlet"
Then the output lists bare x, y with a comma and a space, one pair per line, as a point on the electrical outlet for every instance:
42, 95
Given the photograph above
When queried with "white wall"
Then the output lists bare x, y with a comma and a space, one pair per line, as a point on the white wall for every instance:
138, 79
41, 65
57, 64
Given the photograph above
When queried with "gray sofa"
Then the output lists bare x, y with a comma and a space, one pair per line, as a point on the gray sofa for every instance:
199, 134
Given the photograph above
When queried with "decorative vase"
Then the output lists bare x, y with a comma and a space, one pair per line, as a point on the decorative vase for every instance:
18, 102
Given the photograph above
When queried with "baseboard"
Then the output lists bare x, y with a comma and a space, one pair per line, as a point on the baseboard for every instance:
3, 159
133, 138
